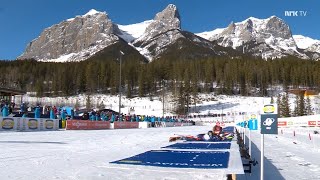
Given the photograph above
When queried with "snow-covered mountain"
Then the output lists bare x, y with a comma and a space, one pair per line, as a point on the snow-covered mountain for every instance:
308, 45
164, 37
85, 36
162, 31
304, 42
268, 38
74, 39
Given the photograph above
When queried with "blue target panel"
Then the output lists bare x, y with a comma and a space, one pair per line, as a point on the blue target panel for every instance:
209, 146
228, 129
180, 159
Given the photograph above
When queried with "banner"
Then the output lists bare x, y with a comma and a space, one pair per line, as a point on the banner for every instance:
169, 124
301, 121
8, 124
87, 125
177, 124
49, 124
28, 124
125, 125
312, 123
39, 124
31, 124
100, 124
282, 123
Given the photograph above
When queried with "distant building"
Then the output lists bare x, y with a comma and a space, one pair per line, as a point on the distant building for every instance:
305, 92
7, 94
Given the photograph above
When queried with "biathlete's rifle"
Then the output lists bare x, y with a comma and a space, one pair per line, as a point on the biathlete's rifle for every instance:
183, 137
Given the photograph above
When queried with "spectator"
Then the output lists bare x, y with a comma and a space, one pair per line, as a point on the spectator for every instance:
25, 115
52, 114
63, 114
5, 110
37, 112
23, 108
112, 118
72, 114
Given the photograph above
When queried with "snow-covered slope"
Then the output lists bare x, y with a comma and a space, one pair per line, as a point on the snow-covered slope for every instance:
133, 31
304, 42
209, 34
308, 44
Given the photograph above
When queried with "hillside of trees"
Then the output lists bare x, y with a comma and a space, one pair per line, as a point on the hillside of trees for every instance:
245, 76
230, 75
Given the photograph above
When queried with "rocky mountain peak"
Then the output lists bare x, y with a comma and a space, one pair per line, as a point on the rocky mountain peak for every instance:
166, 20
162, 31
267, 38
168, 14
83, 34
230, 29
249, 25
278, 28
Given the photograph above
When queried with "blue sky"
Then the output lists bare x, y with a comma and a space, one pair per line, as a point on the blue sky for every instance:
24, 20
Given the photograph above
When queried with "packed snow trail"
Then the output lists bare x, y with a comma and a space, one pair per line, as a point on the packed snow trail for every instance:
83, 155
283, 158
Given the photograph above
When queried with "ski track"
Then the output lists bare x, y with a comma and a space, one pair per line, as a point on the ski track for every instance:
289, 159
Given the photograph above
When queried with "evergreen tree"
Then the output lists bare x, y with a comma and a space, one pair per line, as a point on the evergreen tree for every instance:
308, 106
296, 106
302, 107
285, 106
181, 100
129, 91
279, 103
141, 83
77, 104
39, 88
88, 102
97, 104
101, 105
271, 100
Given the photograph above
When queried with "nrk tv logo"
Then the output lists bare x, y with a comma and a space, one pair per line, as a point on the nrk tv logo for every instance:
295, 13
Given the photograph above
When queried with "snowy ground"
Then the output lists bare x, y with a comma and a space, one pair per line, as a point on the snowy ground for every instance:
207, 103
286, 156
86, 155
